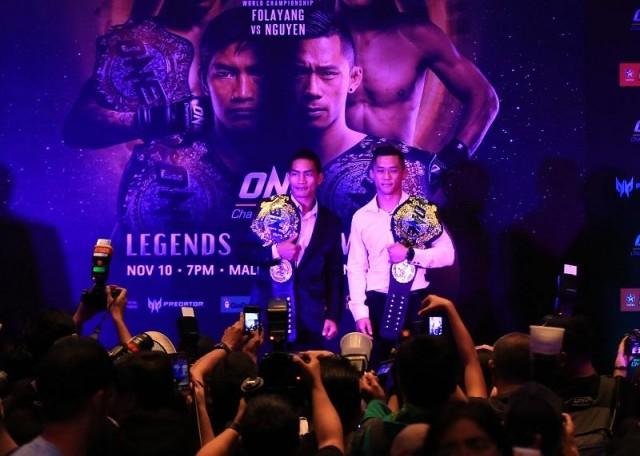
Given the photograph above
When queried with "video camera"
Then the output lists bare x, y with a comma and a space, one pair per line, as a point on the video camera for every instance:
95, 298
146, 341
141, 342
567, 293
278, 322
188, 332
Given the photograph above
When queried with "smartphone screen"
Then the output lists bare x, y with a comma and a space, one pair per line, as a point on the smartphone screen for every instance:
251, 319
180, 366
435, 326
384, 369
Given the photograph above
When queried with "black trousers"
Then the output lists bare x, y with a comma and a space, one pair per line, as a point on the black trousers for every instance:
375, 301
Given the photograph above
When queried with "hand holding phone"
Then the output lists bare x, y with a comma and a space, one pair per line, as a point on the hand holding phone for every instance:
251, 319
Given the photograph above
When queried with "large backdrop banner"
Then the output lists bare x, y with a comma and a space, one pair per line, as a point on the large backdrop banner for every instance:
162, 125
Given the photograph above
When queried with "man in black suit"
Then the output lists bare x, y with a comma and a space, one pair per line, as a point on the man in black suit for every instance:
316, 255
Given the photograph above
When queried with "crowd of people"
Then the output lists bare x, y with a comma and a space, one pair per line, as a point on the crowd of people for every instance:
418, 392
65, 394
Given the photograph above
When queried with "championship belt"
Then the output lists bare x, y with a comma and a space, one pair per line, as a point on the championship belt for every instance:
142, 65
166, 188
415, 224
277, 221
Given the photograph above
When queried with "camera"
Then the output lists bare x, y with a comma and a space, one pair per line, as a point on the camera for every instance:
141, 342
251, 319
188, 332
566, 296
146, 341
278, 322
95, 297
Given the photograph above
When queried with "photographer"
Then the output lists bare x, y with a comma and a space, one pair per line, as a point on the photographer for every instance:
234, 344
268, 424
626, 439
341, 381
73, 382
116, 303
473, 378
593, 400
151, 414
326, 422
426, 378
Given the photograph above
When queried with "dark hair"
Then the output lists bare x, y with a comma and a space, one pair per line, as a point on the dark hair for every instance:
148, 376
511, 358
342, 382
387, 149
46, 327
426, 368
224, 385
71, 372
320, 23
476, 411
533, 412
306, 154
230, 27
178, 14
22, 413
160, 432
578, 335
270, 426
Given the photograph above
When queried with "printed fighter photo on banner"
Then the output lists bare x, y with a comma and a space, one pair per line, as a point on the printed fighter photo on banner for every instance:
211, 100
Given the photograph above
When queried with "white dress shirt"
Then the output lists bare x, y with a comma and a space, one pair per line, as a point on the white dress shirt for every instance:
368, 265
307, 223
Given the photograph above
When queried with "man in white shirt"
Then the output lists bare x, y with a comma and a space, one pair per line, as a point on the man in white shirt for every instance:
372, 249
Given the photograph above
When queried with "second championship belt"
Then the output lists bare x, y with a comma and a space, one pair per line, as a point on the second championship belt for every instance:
415, 224
277, 221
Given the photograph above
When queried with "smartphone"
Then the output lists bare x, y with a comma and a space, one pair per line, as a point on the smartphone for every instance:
180, 364
435, 326
251, 319
384, 368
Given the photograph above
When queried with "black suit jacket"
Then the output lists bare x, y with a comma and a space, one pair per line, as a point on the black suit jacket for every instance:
319, 276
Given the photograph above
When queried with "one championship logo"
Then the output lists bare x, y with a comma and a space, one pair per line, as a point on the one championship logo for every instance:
154, 305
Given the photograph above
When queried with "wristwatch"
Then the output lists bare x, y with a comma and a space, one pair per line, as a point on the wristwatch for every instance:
222, 346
